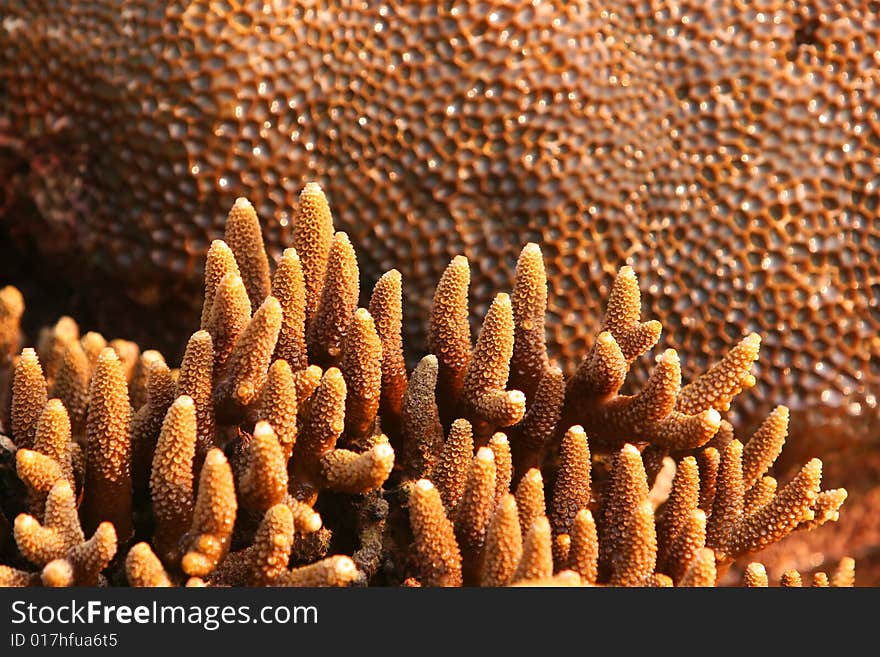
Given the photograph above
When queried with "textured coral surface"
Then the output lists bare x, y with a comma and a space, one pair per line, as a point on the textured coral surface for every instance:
728, 151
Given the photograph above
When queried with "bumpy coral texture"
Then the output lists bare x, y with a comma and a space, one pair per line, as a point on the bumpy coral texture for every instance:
727, 151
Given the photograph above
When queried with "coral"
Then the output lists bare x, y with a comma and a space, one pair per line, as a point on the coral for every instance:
742, 168
58, 546
449, 474
484, 400
28, 397
288, 286
143, 568
571, 492
53, 342
244, 468
261, 480
503, 544
536, 562
207, 541
108, 486
583, 550
71, 385
530, 499
449, 333
474, 511
386, 309
421, 430
147, 422
437, 555
195, 380
316, 462
843, 577
339, 297
245, 371
171, 477
362, 369
245, 239
11, 310
312, 237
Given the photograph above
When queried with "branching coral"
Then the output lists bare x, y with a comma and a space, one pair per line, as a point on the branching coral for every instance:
321, 461
108, 487
58, 546
755, 576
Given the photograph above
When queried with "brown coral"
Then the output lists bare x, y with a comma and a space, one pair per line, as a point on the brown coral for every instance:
288, 286
245, 371
28, 397
171, 477
207, 541
362, 368
484, 398
437, 552
108, 486
693, 150
58, 546
245, 239
339, 297
669, 508
387, 312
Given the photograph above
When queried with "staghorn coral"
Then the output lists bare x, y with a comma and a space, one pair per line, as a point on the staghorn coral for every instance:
421, 429
532, 437
143, 568
362, 368
316, 462
474, 512
245, 371
503, 549
58, 545
195, 380
571, 492
386, 309
449, 333
71, 385
536, 562
583, 550
843, 576
293, 464
245, 239
742, 167
288, 286
207, 541
450, 472
530, 499
437, 555
312, 238
278, 406
261, 480
230, 314
11, 310
28, 397
146, 423
138, 378
328, 327
108, 486
484, 400
171, 477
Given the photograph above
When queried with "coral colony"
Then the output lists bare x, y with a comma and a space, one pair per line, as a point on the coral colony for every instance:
727, 151
292, 447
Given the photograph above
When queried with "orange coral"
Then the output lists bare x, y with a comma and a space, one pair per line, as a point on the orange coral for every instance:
655, 491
